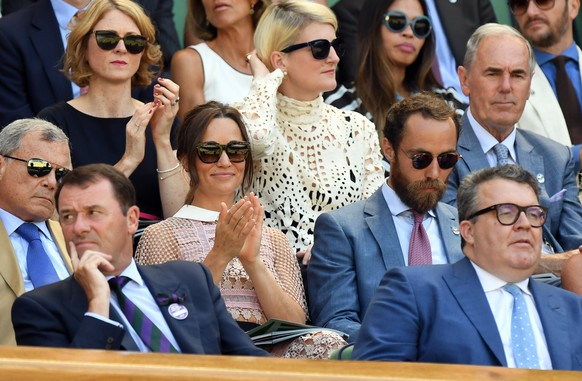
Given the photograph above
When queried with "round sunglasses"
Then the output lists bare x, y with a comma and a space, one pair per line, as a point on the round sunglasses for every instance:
40, 168
445, 160
108, 40
519, 7
210, 152
319, 48
397, 21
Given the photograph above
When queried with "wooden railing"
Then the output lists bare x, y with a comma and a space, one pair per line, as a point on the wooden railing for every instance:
42, 364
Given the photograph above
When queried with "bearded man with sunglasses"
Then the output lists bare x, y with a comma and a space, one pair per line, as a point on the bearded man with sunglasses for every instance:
554, 106
485, 309
496, 76
34, 156
355, 245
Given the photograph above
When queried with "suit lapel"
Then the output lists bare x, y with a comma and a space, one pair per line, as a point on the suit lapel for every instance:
469, 147
379, 219
449, 227
555, 324
189, 328
466, 288
57, 234
9, 268
44, 32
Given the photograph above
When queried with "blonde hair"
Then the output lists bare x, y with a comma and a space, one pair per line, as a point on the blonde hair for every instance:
283, 22
76, 65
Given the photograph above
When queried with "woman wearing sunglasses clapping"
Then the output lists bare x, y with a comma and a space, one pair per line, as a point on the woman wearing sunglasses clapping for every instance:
253, 265
110, 50
310, 156
395, 58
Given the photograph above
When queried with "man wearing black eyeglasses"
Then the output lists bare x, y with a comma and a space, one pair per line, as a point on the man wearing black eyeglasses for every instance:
402, 224
485, 309
496, 76
554, 106
34, 156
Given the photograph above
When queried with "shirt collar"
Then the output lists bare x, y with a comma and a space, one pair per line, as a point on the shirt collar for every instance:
488, 141
192, 212
490, 282
394, 202
11, 223
131, 272
544, 57
64, 12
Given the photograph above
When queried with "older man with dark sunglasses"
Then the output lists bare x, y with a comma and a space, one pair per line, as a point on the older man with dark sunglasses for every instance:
484, 309
402, 223
34, 155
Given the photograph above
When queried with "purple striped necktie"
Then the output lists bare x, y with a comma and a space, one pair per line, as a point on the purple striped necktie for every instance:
150, 334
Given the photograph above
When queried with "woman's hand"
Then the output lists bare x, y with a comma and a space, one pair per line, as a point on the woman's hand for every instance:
258, 68
135, 139
251, 248
166, 98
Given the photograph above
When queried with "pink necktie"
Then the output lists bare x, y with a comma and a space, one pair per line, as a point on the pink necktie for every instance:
419, 252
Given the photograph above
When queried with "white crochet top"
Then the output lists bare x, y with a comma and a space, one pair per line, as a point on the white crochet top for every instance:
310, 157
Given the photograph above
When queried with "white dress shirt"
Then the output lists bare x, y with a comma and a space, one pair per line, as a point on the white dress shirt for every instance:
487, 141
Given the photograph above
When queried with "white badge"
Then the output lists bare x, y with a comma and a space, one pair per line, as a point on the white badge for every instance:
178, 311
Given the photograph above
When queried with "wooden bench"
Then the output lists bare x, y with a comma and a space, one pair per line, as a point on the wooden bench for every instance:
41, 364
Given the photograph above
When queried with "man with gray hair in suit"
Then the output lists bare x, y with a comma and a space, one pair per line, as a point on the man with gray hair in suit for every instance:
496, 76
402, 224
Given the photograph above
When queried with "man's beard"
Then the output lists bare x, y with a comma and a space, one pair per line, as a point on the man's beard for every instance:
553, 36
413, 194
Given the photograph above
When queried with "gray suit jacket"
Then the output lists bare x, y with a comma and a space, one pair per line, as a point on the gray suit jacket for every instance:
354, 246
551, 164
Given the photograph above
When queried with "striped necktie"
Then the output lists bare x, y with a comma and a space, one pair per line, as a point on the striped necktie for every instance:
150, 334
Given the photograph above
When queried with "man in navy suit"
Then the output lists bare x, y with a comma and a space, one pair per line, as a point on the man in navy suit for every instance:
496, 76
356, 244
464, 313
96, 205
33, 41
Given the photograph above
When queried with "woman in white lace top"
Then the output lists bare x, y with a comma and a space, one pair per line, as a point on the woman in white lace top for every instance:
310, 157
253, 265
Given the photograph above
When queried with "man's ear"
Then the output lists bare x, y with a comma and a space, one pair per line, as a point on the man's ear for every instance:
467, 231
132, 219
279, 61
463, 80
388, 150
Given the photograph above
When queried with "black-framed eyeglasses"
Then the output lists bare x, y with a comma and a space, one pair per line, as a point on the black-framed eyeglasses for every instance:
108, 40
40, 168
519, 7
445, 160
397, 21
508, 213
319, 48
210, 152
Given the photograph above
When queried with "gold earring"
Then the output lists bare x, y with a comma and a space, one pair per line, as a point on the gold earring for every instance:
252, 10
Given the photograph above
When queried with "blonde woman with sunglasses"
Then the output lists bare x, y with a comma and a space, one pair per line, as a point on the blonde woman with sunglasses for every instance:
253, 265
310, 157
110, 50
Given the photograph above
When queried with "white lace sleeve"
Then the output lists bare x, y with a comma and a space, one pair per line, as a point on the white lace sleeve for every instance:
259, 110
373, 170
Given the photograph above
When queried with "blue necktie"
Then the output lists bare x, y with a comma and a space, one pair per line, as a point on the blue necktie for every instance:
523, 343
502, 153
39, 266
150, 334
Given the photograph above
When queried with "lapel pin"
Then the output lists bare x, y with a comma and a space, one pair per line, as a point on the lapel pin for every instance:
178, 311
541, 178
455, 230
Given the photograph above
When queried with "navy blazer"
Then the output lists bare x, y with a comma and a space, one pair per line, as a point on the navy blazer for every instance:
54, 315
353, 247
440, 314
551, 164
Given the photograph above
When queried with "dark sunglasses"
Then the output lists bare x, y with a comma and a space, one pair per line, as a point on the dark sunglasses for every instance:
397, 21
445, 160
40, 168
210, 152
319, 48
108, 40
508, 214
519, 7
